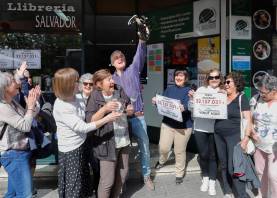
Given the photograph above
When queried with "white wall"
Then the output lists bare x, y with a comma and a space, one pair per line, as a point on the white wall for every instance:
154, 85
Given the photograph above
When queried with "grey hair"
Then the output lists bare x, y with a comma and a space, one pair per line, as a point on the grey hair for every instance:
84, 77
268, 82
5, 81
113, 54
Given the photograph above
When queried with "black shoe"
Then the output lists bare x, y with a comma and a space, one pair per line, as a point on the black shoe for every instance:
179, 180
158, 165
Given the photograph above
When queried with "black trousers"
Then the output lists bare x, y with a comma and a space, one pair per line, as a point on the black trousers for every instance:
225, 149
207, 153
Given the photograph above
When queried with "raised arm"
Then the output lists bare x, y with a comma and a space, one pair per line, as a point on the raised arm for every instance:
139, 58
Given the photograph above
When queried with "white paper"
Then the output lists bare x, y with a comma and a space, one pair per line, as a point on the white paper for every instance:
169, 107
210, 105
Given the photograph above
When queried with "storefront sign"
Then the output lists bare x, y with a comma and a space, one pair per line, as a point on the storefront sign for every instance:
33, 58
241, 27
171, 24
206, 19
47, 16
6, 59
210, 105
169, 107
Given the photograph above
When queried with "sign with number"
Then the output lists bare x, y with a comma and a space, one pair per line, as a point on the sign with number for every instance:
210, 105
33, 58
169, 107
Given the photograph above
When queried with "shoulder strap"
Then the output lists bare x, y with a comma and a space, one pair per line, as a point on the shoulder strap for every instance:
241, 116
3, 130
258, 97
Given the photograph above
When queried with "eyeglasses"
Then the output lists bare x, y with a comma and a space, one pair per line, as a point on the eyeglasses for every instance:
213, 77
228, 82
86, 84
263, 92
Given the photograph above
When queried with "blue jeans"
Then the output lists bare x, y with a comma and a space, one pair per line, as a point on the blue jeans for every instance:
17, 165
139, 131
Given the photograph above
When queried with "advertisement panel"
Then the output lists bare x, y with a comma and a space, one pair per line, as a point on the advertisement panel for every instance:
208, 56
155, 58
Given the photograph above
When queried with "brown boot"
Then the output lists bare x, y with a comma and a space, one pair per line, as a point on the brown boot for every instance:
149, 183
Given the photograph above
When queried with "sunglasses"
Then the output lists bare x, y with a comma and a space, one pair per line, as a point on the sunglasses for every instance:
86, 84
228, 82
213, 77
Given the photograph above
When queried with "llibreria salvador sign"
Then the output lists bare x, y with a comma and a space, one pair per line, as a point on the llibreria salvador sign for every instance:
41, 16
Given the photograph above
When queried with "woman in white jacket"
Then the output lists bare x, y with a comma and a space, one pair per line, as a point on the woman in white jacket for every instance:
204, 135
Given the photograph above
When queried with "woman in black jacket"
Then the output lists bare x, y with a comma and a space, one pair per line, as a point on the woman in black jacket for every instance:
110, 142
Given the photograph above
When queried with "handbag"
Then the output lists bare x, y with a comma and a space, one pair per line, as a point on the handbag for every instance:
243, 127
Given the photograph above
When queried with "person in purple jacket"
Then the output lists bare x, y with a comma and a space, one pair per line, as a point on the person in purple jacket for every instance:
129, 79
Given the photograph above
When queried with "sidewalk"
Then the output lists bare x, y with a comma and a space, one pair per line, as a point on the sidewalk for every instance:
192, 164
46, 181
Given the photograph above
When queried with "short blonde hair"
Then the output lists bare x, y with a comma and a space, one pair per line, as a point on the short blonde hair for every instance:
64, 82
99, 76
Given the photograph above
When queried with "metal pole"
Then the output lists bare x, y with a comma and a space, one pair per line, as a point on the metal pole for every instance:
83, 39
223, 34
230, 36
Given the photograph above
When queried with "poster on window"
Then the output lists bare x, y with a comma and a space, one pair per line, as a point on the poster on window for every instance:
180, 53
33, 58
210, 105
206, 17
155, 58
169, 107
6, 59
208, 56
170, 77
262, 19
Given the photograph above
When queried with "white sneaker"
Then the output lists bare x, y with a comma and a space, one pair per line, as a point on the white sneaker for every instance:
228, 196
212, 190
205, 184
